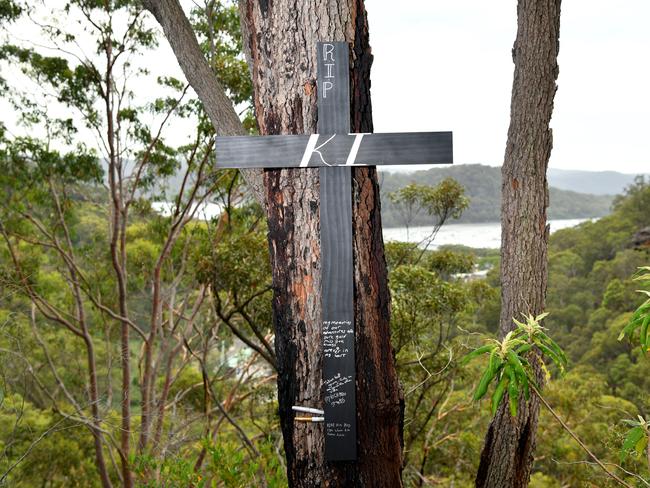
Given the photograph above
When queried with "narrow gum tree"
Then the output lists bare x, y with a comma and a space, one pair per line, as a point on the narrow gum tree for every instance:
507, 457
280, 39
124, 277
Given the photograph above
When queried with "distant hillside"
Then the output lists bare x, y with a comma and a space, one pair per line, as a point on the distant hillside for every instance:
596, 182
483, 187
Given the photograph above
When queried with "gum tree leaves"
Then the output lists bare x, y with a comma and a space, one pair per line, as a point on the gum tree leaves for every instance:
636, 440
508, 367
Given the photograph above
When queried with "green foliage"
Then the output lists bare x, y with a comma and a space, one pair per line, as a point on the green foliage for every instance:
508, 368
635, 202
448, 263
432, 310
539, 480
25, 162
235, 472
535, 335
641, 318
219, 28
442, 201
226, 465
582, 399
58, 452
238, 262
82, 126
416, 316
483, 188
437, 309
636, 439
9, 10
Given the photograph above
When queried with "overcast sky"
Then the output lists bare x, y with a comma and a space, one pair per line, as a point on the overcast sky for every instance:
447, 65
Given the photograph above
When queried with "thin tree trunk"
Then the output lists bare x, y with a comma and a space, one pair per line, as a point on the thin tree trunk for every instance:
94, 408
91, 357
118, 260
280, 38
507, 456
281, 41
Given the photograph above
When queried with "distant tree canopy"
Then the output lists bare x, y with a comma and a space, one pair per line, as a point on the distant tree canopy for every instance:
483, 188
114, 326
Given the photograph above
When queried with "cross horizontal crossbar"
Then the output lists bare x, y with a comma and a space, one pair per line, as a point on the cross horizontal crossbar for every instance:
287, 151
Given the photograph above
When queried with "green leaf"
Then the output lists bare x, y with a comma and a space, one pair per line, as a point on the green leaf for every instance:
487, 377
520, 324
516, 365
499, 392
523, 381
548, 342
643, 308
523, 349
638, 315
477, 352
513, 394
632, 423
640, 446
541, 316
633, 436
629, 328
644, 332
551, 354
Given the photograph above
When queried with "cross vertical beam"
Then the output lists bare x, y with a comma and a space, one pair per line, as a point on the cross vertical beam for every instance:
337, 272
335, 151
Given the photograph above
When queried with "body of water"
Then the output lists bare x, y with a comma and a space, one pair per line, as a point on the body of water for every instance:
486, 235
205, 211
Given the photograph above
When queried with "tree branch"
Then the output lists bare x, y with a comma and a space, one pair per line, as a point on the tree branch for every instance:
217, 105
577, 439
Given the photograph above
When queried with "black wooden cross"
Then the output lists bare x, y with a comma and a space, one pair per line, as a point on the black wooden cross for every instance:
334, 146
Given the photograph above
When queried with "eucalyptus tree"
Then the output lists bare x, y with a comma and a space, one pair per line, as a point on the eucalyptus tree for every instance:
507, 456
89, 151
280, 42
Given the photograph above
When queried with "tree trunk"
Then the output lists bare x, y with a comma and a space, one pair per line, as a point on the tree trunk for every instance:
280, 38
507, 456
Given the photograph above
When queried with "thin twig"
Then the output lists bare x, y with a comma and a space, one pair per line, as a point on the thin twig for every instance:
629, 473
577, 439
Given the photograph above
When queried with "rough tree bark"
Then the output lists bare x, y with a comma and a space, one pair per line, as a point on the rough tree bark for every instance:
280, 38
507, 456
